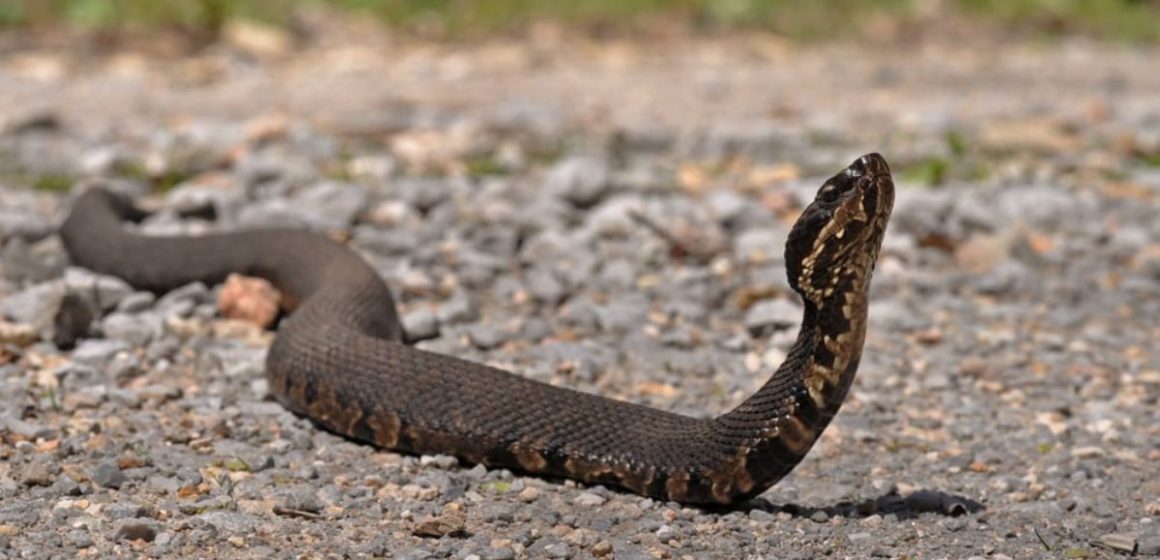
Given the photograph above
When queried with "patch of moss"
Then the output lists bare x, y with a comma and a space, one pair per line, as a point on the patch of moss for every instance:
931, 171
497, 486
235, 464
484, 165
53, 182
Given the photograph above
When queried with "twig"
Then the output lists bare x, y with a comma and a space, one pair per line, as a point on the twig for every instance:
703, 252
1046, 546
289, 512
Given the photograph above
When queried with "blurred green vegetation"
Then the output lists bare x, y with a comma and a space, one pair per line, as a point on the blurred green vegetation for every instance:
806, 19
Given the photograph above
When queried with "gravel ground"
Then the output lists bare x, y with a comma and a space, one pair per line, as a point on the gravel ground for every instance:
1007, 405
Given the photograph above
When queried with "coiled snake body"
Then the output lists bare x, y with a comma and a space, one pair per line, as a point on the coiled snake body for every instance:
340, 357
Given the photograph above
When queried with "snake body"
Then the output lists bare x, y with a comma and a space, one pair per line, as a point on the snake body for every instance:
340, 358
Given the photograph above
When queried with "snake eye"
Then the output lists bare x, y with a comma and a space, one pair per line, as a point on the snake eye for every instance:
829, 193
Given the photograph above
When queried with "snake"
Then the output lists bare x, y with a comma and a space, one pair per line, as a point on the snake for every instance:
341, 358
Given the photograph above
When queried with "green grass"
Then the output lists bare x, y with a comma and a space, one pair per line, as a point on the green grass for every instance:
1132, 20
960, 162
811, 19
52, 182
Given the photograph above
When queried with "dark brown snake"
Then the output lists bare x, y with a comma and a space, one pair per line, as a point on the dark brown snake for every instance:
340, 357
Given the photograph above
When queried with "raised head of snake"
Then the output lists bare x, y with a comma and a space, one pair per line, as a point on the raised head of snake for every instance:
832, 248
830, 255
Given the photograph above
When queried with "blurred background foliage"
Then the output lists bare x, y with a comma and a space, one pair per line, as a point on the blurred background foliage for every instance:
1128, 20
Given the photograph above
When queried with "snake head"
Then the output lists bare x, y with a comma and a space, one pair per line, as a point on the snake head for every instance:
834, 243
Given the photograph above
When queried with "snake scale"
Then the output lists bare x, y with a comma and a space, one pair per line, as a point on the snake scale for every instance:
340, 357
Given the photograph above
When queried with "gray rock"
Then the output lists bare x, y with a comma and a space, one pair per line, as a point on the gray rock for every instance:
40, 472
501, 553
105, 292
423, 193
79, 539
1007, 276
761, 244
626, 312
545, 287
681, 336
1036, 510
727, 205
535, 328
389, 242
486, 337
445, 462
108, 475
11, 422
196, 200
771, 315
557, 550
23, 263
549, 245
761, 516
588, 499
21, 513
1043, 207
420, 324
892, 314
182, 301
97, 352
136, 302
618, 274
476, 268
582, 181
457, 309
274, 212
134, 330
73, 320
136, 530
954, 524
415, 554
977, 212
624, 550
301, 499
1118, 542
230, 521
36, 305
332, 204
580, 313
27, 226
921, 212
124, 510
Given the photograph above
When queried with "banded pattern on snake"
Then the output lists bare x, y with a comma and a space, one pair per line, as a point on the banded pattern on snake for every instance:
340, 358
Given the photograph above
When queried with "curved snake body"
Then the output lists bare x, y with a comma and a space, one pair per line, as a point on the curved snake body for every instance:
340, 357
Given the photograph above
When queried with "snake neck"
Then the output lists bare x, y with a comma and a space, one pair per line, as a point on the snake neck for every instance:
773, 429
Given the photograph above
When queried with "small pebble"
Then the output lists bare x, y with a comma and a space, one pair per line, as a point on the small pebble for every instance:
108, 475
588, 499
1118, 542
557, 550
528, 495
40, 472
486, 337
135, 530
420, 324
